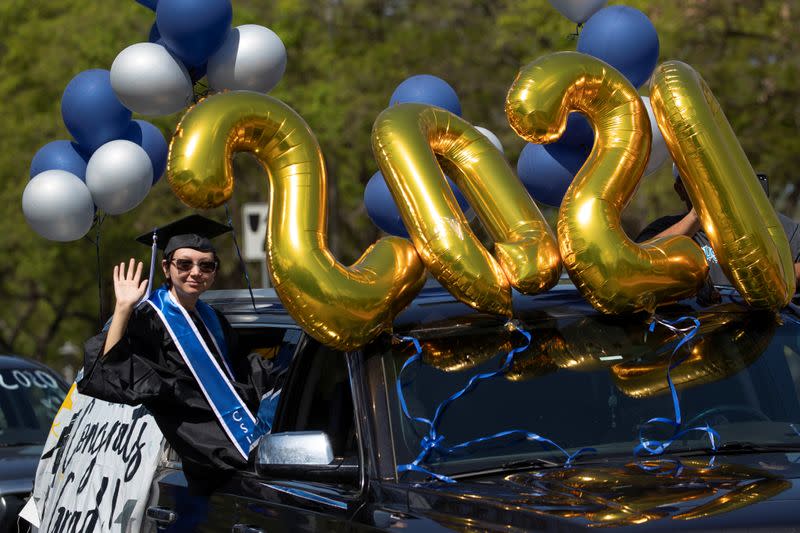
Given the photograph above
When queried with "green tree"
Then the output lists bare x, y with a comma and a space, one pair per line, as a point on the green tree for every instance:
344, 60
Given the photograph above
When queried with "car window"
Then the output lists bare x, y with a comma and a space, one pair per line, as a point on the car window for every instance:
320, 400
29, 399
275, 346
596, 381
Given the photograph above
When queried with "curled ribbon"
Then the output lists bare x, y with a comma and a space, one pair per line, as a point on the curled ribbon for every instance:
657, 447
434, 441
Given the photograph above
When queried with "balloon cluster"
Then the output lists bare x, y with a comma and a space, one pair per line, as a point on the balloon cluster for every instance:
615, 274
345, 307
624, 38
419, 89
112, 160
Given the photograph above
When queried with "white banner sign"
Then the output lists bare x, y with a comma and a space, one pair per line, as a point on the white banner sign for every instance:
97, 468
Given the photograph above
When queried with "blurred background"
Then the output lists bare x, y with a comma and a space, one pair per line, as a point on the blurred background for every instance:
345, 58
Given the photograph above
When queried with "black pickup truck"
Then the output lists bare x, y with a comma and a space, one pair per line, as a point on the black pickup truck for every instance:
348, 425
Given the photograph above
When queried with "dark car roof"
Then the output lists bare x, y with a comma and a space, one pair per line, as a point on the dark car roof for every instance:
238, 307
435, 304
16, 361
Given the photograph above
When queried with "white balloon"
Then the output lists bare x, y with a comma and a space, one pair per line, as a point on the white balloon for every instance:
119, 175
492, 137
578, 11
58, 205
149, 80
251, 58
659, 152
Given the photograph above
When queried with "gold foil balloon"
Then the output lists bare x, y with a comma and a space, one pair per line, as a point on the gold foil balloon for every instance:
466, 350
407, 139
537, 360
741, 225
586, 344
723, 347
343, 307
650, 490
615, 274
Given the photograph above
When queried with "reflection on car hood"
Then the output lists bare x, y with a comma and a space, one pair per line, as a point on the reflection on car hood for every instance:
728, 493
18, 468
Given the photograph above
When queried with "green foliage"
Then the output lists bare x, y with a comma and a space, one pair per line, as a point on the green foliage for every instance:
345, 58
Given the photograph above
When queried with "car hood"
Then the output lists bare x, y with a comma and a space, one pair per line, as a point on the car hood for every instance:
18, 468
698, 494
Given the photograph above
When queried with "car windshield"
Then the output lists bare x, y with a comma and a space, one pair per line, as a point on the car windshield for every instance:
595, 381
29, 399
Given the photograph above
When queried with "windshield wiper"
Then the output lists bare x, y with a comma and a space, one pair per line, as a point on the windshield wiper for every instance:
523, 464
736, 447
530, 463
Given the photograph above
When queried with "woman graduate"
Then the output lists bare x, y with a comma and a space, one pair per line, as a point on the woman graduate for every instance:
177, 356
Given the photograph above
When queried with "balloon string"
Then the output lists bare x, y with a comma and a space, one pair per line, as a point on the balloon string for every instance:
239, 255
433, 440
657, 447
201, 93
98, 222
578, 28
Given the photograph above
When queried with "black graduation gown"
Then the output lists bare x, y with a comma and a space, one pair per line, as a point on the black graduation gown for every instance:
145, 367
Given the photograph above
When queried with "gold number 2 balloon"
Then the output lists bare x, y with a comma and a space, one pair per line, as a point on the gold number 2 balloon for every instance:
406, 139
343, 307
615, 274
741, 225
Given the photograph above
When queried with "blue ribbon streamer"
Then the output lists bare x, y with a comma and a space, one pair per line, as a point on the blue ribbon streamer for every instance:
676, 471
791, 319
657, 447
433, 441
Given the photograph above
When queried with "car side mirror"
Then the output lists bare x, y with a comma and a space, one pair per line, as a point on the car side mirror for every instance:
295, 448
302, 455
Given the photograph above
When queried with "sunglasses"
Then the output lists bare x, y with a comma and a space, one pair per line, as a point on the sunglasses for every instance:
185, 265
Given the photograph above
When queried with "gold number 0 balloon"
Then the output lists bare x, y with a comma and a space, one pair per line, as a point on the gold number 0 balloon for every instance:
615, 274
406, 139
741, 225
341, 307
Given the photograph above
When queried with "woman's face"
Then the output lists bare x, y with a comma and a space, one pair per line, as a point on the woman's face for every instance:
192, 272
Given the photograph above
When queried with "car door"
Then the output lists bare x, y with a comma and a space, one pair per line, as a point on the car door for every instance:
316, 397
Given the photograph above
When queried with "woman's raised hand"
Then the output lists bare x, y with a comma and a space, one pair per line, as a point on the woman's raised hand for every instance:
129, 287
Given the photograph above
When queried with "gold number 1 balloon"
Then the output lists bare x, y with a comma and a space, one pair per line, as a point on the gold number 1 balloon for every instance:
741, 225
615, 274
343, 307
406, 139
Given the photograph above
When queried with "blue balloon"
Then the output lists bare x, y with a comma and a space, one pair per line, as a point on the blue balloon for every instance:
60, 155
383, 211
624, 38
91, 110
547, 170
427, 89
195, 72
381, 207
154, 35
149, 4
578, 132
152, 141
194, 29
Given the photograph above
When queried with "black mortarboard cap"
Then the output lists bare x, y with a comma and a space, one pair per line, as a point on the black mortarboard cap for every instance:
194, 231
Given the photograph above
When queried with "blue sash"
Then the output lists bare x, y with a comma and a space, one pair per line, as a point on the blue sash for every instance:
234, 417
